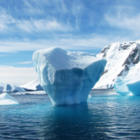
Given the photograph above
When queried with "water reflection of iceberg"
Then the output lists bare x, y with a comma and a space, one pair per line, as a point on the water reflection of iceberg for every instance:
73, 122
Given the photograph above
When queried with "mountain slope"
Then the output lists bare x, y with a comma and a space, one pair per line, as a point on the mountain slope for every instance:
33, 85
122, 60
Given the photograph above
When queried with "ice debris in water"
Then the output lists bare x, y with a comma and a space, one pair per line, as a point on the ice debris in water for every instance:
6, 99
67, 76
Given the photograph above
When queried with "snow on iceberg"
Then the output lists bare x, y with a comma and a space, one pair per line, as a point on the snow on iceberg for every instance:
6, 99
67, 76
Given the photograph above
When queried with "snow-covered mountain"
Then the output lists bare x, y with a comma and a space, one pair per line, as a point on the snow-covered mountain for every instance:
123, 60
32, 86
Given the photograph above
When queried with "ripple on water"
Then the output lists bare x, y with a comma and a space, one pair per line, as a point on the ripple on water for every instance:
104, 117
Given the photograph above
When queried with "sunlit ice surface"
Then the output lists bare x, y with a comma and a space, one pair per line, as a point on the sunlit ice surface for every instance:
104, 116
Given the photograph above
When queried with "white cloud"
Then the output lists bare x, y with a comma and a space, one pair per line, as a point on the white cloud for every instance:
9, 23
17, 75
91, 43
5, 20
36, 7
26, 62
42, 25
124, 17
31, 8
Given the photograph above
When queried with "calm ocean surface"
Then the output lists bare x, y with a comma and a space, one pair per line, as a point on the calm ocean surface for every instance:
102, 117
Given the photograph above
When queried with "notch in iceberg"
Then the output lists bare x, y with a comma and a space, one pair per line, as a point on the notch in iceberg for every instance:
67, 76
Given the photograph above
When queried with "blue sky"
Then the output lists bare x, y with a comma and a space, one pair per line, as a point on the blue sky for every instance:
80, 25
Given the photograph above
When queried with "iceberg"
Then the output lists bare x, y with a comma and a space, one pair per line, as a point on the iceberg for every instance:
134, 88
17, 89
67, 76
6, 99
7, 88
134, 85
120, 86
1, 88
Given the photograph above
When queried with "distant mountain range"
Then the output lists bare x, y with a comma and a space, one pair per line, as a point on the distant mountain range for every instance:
32, 86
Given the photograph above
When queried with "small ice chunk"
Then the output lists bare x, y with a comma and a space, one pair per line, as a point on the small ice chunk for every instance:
6, 99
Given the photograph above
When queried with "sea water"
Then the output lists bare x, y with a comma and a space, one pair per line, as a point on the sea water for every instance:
102, 117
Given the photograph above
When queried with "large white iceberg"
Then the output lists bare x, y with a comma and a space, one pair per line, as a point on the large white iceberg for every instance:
67, 76
6, 99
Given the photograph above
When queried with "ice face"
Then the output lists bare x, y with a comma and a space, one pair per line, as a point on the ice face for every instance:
134, 85
6, 99
67, 76
134, 88
1, 88
7, 88
120, 86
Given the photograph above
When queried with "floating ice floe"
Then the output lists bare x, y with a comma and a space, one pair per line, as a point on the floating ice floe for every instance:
6, 99
67, 76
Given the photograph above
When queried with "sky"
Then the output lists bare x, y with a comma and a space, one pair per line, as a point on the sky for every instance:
74, 25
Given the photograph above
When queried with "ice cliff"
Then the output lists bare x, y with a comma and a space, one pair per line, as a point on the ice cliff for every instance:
67, 76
